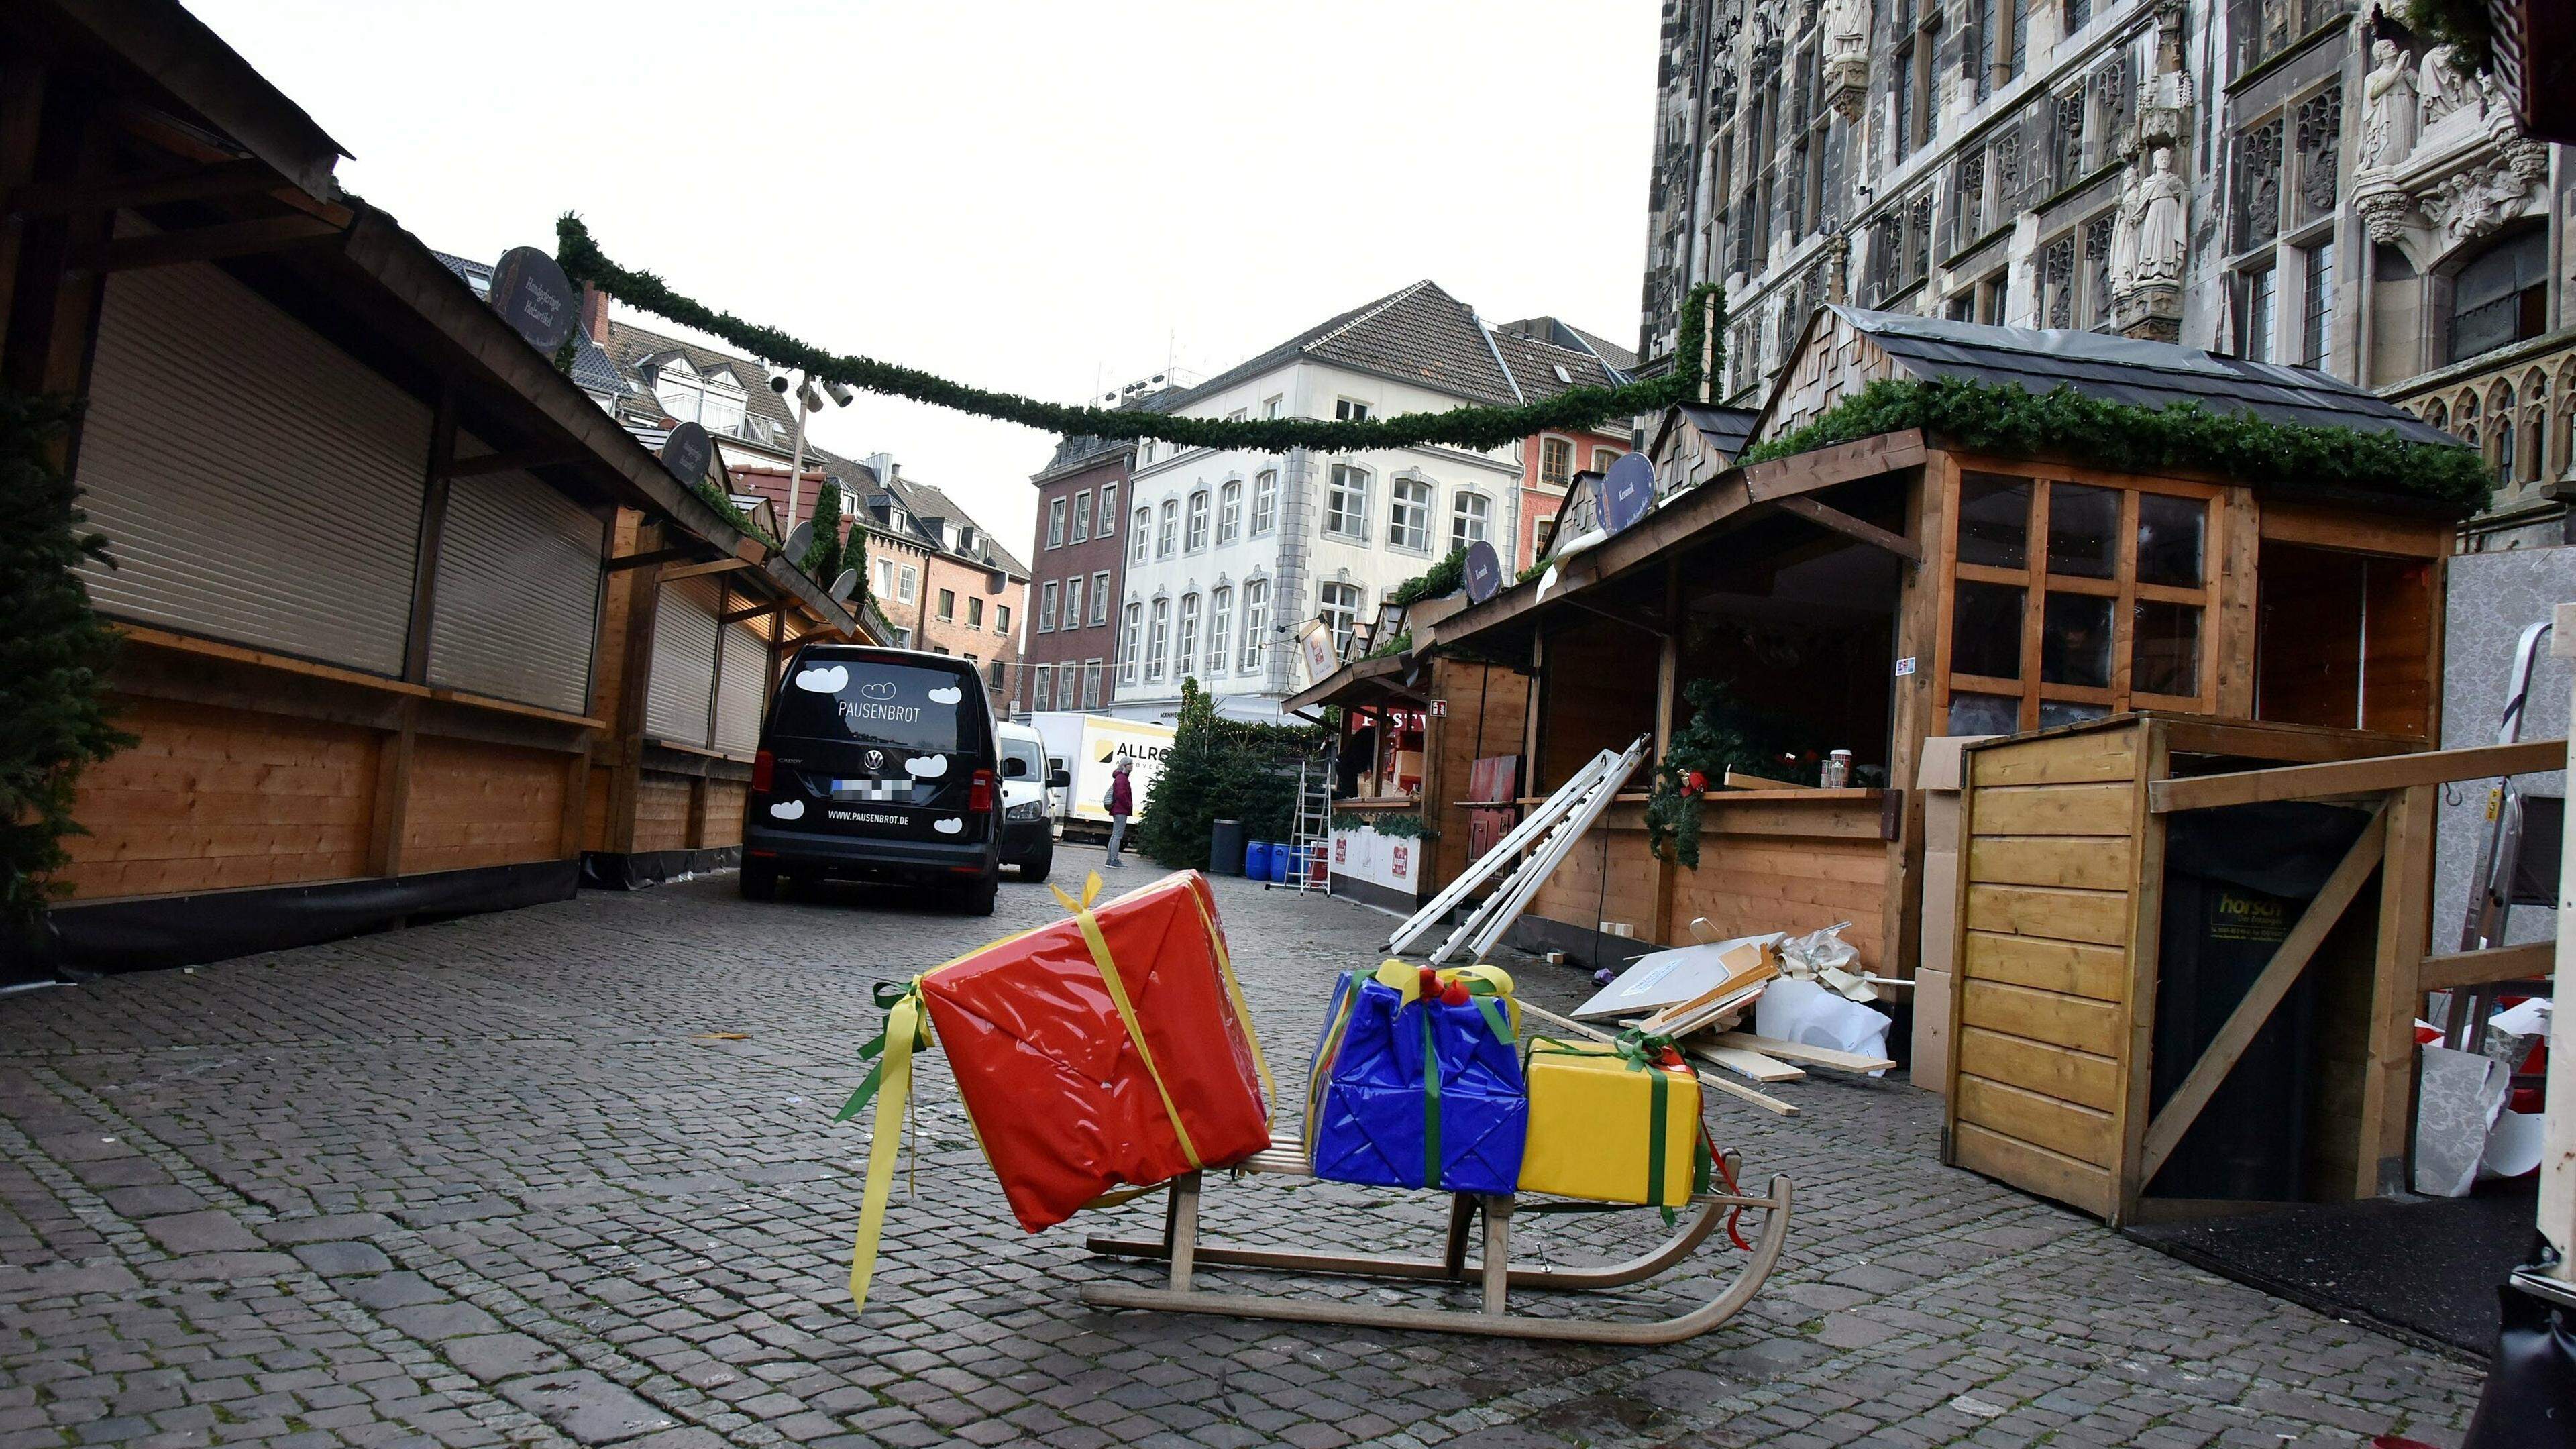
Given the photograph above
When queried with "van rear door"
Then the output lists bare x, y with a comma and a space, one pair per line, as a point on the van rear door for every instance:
877, 746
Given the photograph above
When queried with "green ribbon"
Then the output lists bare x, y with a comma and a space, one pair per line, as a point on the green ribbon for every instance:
887, 993
1430, 1103
1487, 998
1644, 1052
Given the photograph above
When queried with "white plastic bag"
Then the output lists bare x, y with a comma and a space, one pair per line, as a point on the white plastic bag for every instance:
1804, 1012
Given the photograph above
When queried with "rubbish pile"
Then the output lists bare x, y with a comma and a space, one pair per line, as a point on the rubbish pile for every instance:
2478, 1113
1800, 996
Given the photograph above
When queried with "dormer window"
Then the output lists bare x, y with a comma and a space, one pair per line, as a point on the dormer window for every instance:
714, 401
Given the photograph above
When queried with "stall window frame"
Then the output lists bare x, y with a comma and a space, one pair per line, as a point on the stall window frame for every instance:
2037, 582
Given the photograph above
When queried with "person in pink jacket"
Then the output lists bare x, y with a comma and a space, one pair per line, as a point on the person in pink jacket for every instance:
1121, 803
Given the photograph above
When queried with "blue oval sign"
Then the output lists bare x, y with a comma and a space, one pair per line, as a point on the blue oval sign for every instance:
687, 452
1484, 572
1627, 492
533, 295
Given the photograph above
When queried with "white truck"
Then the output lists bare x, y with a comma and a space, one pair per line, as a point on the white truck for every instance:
1090, 745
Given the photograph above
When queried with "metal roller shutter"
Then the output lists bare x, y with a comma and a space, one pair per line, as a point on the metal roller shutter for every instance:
684, 663
744, 690
255, 483
516, 604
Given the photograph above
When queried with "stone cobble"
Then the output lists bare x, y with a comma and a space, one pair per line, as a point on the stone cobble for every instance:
568, 1175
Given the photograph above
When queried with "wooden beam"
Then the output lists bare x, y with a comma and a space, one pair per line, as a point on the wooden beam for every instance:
483, 463
1841, 463
752, 612
2531, 961
2405, 933
387, 821
2165, 1132
200, 183
2356, 777
691, 571
1798, 1051
209, 243
648, 558
1853, 528
1733, 1089
1738, 780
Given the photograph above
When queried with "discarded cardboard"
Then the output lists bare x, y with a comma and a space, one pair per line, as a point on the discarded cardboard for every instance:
1941, 764
1940, 913
1686, 976
1930, 1069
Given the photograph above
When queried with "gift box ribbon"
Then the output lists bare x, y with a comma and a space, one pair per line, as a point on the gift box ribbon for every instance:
1657, 1057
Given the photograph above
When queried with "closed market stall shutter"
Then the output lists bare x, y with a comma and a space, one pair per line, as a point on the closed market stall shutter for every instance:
684, 663
744, 689
255, 483
516, 604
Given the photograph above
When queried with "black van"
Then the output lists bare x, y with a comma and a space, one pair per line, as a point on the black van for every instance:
877, 765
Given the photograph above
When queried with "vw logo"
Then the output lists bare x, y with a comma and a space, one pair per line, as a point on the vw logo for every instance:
876, 761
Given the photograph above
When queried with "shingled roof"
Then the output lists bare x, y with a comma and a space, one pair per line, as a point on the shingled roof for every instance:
2125, 370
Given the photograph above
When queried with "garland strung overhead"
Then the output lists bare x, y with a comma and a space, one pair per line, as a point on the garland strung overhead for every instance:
1478, 428
2002, 418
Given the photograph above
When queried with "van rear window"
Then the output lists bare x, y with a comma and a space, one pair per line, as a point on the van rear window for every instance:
858, 699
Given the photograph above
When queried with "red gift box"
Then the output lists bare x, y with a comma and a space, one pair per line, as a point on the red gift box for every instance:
1068, 1098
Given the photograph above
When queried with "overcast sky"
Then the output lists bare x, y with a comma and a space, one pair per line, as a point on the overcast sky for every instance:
1048, 198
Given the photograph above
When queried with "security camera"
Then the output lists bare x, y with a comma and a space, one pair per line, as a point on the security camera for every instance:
778, 384
841, 396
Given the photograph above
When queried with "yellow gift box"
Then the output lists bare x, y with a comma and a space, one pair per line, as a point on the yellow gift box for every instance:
1597, 1117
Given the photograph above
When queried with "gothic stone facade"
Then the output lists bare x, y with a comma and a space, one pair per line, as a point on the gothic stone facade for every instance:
2303, 181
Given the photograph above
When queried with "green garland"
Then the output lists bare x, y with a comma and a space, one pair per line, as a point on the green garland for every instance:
2002, 418
1721, 733
1478, 428
54, 657
1393, 823
1436, 582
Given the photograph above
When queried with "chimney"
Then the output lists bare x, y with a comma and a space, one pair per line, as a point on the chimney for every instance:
594, 313
881, 464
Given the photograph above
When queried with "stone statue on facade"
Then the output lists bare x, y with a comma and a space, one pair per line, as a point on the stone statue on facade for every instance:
2445, 88
1845, 24
2388, 107
2163, 230
2124, 231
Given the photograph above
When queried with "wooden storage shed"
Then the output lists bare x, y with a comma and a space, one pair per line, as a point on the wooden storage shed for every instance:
1872, 594
386, 577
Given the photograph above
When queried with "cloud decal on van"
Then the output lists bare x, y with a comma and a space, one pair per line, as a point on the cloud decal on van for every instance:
787, 810
949, 826
878, 689
946, 694
823, 680
926, 767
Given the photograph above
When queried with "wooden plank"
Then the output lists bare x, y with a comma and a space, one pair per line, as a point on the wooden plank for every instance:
1745, 1063
2531, 961
2032, 1168
2069, 1075
2145, 969
2099, 863
2181, 1109
2396, 992
2073, 968
387, 821
2041, 1016
1733, 1089
2357, 777
2272, 740
1849, 527
2101, 809
1738, 780
2057, 915
2065, 760
2340, 528
1798, 1051
2081, 1132
211, 243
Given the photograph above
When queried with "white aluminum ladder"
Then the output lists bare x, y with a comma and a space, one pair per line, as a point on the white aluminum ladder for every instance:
1310, 834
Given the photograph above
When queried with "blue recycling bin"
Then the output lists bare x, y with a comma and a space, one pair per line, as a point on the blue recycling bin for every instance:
1256, 860
1281, 857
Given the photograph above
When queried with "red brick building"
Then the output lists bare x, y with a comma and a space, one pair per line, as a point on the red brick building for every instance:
1539, 348
1071, 642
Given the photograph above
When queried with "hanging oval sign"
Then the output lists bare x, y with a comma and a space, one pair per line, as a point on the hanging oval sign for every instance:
1484, 572
533, 295
1627, 492
687, 452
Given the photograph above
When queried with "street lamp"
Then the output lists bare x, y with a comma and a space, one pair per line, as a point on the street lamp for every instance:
806, 403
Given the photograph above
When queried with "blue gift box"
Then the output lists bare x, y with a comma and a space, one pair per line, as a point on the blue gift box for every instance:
1387, 1069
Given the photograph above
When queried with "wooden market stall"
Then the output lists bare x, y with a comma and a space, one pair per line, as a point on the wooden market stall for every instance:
381, 570
1873, 594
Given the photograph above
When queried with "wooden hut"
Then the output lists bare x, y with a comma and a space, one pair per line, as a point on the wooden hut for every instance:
409, 621
1875, 594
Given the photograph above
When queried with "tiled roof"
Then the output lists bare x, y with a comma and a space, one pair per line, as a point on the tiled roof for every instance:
1729, 430
2125, 370
1535, 364
633, 349
920, 500
1073, 454
1418, 334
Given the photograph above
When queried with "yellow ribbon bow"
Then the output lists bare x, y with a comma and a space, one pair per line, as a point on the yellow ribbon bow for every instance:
906, 1025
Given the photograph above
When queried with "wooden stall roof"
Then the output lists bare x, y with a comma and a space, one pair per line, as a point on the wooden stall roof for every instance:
1387, 679
241, 175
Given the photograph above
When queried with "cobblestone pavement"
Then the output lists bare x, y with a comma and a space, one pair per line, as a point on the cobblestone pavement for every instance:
502, 1180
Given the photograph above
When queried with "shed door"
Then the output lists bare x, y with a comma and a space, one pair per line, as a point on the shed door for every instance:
517, 596
684, 663
255, 483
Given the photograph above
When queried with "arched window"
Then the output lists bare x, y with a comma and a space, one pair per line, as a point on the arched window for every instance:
1468, 514
1229, 514
1265, 503
1256, 619
1408, 519
1346, 503
1185, 644
2437, 415
1220, 629
1139, 535
1168, 535
1198, 534
2501, 296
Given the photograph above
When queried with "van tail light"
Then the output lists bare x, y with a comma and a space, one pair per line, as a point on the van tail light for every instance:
762, 767
979, 795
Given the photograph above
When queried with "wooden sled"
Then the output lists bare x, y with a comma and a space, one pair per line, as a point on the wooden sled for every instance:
1180, 1244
